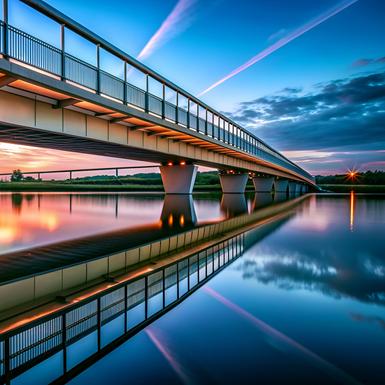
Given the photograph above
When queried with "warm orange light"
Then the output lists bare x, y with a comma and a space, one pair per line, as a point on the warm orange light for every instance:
169, 164
181, 220
352, 174
170, 220
182, 163
351, 210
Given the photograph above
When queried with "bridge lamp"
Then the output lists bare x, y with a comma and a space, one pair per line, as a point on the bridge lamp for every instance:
169, 164
183, 163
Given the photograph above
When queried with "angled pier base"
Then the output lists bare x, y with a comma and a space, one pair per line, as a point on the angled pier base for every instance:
178, 179
263, 184
281, 185
233, 183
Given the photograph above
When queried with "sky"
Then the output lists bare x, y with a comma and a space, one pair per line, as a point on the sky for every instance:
308, 77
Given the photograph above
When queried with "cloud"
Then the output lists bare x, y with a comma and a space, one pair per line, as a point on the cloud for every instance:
366, 62
344, 118
177, 21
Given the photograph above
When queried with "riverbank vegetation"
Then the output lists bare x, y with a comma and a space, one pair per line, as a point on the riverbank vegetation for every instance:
369, 181
205, 181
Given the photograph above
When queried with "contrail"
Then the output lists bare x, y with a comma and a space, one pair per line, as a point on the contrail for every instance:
174, 23
283, 41
277, 335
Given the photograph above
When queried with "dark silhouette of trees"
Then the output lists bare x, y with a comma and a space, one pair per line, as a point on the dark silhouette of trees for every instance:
17, 176
362, 178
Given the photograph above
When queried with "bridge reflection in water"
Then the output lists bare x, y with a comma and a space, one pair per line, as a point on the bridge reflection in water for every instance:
76, 335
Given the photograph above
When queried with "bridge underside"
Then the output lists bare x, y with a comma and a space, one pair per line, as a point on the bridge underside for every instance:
42, 111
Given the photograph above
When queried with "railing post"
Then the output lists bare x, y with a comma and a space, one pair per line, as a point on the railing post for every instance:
5, 27
62, 47
64, 342
163, 100
188, 112
188, 274
7, 359
98, 68
99, 322
177, 280
146, 297
125, 84
125, 307
163, 289
146, 104
206, 122
177, 108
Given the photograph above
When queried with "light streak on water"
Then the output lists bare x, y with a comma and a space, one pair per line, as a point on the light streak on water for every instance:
280, 337
167, 354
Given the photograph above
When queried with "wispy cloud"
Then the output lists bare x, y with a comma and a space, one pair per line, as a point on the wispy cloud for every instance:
177, 21
283, 41
364, 62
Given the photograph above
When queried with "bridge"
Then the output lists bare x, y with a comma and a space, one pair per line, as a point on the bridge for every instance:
50, 98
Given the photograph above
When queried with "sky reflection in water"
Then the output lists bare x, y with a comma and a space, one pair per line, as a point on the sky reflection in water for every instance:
304, 305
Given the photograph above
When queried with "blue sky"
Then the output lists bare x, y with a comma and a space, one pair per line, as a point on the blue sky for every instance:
214, 37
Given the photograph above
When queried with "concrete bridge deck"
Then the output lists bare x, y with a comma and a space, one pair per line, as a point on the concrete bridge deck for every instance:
52, 99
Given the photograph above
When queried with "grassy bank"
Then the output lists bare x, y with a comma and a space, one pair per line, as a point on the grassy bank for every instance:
64, 187
359, 188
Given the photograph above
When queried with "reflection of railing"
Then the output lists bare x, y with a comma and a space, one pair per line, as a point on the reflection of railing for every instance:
135, 303
193, 114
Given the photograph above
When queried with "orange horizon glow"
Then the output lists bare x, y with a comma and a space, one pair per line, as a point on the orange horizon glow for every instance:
30, 159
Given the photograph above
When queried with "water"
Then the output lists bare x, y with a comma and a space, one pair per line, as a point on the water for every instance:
36, 219
303, 304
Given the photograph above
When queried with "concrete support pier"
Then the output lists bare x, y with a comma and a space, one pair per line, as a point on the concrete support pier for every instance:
281, 185
263, 184
233, 183
178, 179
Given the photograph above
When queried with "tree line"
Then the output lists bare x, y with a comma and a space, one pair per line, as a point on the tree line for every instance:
360, 178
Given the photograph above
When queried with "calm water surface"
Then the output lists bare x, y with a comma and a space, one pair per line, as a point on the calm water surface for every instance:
304, 305
35, 219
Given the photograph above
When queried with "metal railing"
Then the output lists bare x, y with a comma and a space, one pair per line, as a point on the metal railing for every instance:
25, 48
137, 302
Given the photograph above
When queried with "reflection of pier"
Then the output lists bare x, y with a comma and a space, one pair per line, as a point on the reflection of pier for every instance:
261, 199
280, 197
233, 205
178, 211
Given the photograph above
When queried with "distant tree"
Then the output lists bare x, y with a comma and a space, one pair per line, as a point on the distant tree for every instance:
17, 176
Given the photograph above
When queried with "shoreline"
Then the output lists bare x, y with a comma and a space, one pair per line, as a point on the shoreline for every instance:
143, 188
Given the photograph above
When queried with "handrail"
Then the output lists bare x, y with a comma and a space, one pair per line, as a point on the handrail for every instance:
246, 142
78, 170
